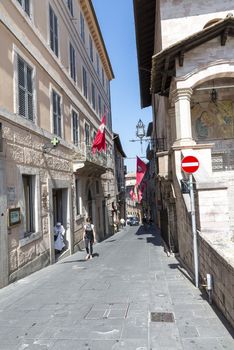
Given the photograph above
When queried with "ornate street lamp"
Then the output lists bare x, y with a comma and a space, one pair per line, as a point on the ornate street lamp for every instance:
140, 130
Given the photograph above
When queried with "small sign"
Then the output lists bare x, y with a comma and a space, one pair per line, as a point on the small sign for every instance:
11, 196
14, 216
190, 164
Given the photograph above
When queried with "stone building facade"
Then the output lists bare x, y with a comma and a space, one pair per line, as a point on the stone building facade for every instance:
119, 175
54, 89
186, 70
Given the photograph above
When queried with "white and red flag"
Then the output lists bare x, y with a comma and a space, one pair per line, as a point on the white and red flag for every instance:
99, 142
140, 171
132, 195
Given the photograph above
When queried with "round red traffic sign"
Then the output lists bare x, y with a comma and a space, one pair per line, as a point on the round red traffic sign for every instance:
190, 164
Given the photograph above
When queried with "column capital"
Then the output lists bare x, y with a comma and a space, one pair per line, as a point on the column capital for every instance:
182, 93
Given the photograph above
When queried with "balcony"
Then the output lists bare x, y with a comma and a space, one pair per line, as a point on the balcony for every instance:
85, 163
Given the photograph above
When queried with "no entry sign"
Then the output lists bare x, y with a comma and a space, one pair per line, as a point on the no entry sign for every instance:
190, 164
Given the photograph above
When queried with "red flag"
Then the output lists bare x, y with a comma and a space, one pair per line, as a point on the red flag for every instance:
140, 171
139, 195
99, 142
132, 195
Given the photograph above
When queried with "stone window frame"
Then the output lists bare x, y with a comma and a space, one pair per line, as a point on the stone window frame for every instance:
85, 88
15, 53
72, 109
88, 124
25, 170
51, 89
58, 54
22, 10
72, 62
70, 7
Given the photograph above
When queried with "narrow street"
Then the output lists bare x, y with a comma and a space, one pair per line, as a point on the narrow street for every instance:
106, 303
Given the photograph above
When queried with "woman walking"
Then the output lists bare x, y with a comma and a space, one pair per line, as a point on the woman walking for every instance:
89, 238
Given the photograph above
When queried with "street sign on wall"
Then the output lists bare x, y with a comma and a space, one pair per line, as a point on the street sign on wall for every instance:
190, 164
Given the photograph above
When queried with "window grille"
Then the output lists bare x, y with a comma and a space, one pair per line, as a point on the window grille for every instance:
56, 114
25, 89
72, 62
53, 31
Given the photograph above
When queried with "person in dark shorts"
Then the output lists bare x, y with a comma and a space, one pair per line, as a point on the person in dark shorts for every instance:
89, 238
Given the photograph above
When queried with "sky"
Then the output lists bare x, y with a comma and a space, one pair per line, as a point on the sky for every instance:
116, 21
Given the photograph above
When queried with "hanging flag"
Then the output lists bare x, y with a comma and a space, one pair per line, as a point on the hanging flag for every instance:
139, 195
140, 171
132, 195
99, 142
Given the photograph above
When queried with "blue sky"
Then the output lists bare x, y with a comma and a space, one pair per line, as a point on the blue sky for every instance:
116, 20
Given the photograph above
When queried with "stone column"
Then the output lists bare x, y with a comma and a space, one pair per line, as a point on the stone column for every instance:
183, 118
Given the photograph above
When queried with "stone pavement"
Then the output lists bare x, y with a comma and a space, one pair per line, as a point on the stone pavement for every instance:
114, 301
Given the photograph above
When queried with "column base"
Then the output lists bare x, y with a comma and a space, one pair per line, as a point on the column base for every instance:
184, 142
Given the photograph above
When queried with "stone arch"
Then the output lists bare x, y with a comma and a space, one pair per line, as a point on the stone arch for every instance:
215, 71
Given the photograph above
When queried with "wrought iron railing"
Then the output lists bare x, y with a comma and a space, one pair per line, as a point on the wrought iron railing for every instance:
84, 153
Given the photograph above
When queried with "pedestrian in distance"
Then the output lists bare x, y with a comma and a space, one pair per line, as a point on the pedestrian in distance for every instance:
122, 222
89, 237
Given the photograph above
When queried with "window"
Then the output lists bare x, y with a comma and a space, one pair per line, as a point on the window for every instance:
87, 134
99, 105
25, 89
70, 6
75, 128
29, 202
72, 62
82, 27
103, 81
91, 48
98, 64
85, 85
25, 5
56, 114
93, 96
53, 31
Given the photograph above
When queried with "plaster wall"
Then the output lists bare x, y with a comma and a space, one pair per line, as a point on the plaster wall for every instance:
181, 18
206, 54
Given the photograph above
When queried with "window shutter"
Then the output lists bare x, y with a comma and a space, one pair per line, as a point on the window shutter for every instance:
27, 7
59, 116
55, 113
21, 86
56, 35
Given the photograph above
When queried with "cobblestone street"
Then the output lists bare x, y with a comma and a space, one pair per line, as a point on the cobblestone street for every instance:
107, 302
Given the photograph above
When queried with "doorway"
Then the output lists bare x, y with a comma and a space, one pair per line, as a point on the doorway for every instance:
60, 203
90, 209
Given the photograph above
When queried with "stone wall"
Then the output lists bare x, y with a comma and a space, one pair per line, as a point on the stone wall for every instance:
213, 260
24, 155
